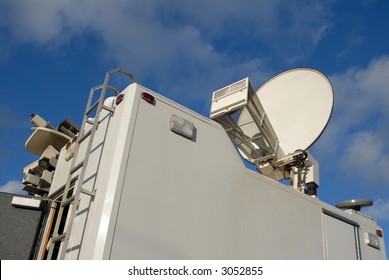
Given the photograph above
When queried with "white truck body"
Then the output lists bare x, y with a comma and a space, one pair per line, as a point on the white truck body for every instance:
160, 195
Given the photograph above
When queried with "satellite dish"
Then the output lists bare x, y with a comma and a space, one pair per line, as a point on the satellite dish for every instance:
275, 125
42, 137
298, 104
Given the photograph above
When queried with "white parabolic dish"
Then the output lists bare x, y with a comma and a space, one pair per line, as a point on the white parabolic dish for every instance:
298, 104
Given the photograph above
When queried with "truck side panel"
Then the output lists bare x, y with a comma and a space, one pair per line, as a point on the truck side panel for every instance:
340, 239
194, 199
160, 195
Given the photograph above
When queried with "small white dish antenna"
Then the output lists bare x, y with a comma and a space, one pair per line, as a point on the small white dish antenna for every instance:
42, 137
298, 104
274, 126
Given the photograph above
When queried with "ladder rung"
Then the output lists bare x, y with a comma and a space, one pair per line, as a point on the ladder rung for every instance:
86, 135
108, 108
91, 193
90, 122
64, 185
58, 238
78, 166
90, 110
68, 201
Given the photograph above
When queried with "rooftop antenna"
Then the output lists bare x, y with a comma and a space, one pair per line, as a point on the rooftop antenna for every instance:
274, 126
355, 204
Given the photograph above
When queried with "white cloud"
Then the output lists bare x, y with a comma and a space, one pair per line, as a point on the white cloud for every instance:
379, 210
12, 186
42, 21
356, 138
36, 20
163, 39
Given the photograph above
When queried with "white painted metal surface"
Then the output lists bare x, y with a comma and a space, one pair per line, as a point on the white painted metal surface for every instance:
25, 202
229, 98
340, 239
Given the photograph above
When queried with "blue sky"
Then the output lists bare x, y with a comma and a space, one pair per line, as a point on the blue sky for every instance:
52, 52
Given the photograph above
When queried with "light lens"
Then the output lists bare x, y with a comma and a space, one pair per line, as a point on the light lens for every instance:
119, 98
182, 126
148, 97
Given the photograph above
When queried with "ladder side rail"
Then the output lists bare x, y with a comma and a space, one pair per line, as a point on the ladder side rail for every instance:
121, 70
79, 184
70, 175
77, 189
63, 204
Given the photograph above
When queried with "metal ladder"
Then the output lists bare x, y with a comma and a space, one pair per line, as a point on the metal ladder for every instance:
77, 181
